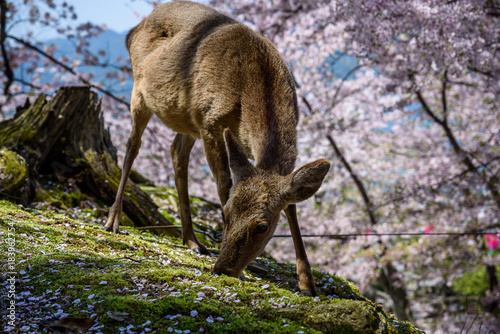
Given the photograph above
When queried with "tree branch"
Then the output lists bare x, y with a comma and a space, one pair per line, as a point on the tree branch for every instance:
449, 134
346, 76
308, 105
3, 36
391, 282
443, 96
490, 182
26, 83
70, 70
359, 184
489, 74
427, 109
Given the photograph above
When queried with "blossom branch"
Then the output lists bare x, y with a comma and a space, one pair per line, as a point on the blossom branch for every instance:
491, 182
390, 279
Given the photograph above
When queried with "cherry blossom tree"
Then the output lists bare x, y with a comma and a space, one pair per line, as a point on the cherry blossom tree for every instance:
413, 130
30, 66
401, 96
25, 59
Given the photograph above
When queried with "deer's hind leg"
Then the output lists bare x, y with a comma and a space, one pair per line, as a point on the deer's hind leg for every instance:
140, 118
180, 150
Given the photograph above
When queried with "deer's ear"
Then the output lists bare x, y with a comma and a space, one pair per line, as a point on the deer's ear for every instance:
240, 166
305, 181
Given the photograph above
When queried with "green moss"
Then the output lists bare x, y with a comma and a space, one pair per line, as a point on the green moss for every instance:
57, 194
12, 169
137, 178
168, 196
201, 211
20, 129
89, 272
472, 283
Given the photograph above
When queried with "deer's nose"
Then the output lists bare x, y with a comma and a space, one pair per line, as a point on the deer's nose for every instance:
219, 270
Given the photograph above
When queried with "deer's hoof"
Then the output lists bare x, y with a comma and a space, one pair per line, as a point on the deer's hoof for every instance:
201, 250
113, 222
111, 228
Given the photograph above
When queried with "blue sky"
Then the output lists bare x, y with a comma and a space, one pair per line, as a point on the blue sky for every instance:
118, 15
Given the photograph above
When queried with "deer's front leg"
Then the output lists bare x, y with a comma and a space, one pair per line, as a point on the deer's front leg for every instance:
215, 151
306, 279
180, 150
140, 118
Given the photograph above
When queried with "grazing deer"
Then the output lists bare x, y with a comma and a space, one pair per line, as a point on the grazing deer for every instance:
207, 76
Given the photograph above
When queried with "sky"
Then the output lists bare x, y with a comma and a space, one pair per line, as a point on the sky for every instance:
118, 15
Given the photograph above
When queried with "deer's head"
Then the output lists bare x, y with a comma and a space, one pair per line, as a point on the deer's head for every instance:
256, 200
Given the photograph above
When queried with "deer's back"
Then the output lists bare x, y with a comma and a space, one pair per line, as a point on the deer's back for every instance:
199, 70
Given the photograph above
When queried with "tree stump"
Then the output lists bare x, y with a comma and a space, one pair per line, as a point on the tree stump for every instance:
66, 137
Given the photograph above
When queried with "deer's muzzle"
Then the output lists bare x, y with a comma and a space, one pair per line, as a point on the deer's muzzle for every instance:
220, 269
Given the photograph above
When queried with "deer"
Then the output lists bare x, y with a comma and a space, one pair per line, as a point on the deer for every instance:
209, 77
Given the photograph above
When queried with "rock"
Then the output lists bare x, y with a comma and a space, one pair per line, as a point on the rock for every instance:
13, 176
346, 317
258, 267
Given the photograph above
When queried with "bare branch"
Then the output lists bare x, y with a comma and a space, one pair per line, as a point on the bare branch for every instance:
359, 184
489, 74
308, 105
427, 109
346, 76
490, 182
443, 96
69, 69
3, 35
26, 83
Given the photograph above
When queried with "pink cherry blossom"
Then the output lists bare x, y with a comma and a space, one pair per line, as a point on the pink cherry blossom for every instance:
408, 90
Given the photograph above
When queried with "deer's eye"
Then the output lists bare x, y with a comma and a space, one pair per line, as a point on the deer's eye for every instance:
261, 228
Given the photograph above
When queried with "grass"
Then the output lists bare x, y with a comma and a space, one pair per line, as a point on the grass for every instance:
70, 273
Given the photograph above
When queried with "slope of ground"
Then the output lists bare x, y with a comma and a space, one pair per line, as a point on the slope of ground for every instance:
70, 276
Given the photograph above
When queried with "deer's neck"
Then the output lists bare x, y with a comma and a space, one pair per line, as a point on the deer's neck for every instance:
278, 154
273, 142
269, 108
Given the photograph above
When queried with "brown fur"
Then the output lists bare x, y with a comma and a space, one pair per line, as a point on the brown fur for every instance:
201, 72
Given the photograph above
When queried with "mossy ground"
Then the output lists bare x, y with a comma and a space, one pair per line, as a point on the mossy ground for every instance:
68, 267
12, 169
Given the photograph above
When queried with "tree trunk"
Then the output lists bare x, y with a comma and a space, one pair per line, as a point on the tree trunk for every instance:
66, 137
393, 284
